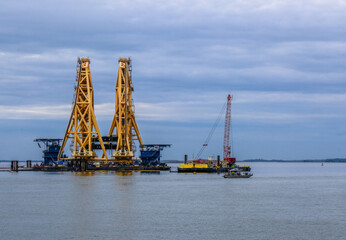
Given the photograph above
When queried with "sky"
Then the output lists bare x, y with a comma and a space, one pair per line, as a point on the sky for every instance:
284, 62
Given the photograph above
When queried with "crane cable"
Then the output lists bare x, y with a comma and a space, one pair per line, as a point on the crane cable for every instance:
206, 142
231, 137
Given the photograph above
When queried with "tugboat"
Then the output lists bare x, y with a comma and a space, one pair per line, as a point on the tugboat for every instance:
237, 173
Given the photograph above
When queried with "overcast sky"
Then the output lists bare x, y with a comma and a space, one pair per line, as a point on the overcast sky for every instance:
283, 61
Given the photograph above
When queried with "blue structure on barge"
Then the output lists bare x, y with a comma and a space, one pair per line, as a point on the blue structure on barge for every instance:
51, 151
151, 154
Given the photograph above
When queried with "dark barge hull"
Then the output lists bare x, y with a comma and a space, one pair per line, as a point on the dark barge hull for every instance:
118, 168
209, 170
202, 170
196, 170
132, 168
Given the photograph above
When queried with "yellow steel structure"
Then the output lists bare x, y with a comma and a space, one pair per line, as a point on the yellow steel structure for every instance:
82, 127
195, 165
124, 118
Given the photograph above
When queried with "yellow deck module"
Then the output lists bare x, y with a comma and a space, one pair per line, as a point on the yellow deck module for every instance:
194, 165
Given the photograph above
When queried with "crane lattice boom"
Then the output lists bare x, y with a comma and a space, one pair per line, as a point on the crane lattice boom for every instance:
226, 142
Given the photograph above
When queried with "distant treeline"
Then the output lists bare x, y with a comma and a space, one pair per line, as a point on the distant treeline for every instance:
306, 160
172, 161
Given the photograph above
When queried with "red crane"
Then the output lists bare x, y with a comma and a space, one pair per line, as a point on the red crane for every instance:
226, 144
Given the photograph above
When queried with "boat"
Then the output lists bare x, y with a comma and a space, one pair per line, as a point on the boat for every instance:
237, 173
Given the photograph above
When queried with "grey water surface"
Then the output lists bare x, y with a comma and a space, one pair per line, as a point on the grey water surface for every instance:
281, 201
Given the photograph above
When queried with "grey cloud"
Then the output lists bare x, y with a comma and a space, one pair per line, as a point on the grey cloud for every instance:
186, 56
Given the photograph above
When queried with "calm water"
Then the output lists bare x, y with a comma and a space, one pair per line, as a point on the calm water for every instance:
281, 201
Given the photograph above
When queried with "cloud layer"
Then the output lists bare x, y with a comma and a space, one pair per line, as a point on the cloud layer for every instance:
282, 60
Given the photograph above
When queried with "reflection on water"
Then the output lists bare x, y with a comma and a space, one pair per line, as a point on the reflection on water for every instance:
84, 174
106, 172
123, 173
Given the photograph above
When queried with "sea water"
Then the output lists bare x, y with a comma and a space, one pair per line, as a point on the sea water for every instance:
281, 201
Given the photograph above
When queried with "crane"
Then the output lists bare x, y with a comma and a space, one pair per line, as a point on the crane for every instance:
226, 143
227, 159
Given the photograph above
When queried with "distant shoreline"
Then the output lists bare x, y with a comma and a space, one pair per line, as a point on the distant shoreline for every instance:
334, 160
293, 161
